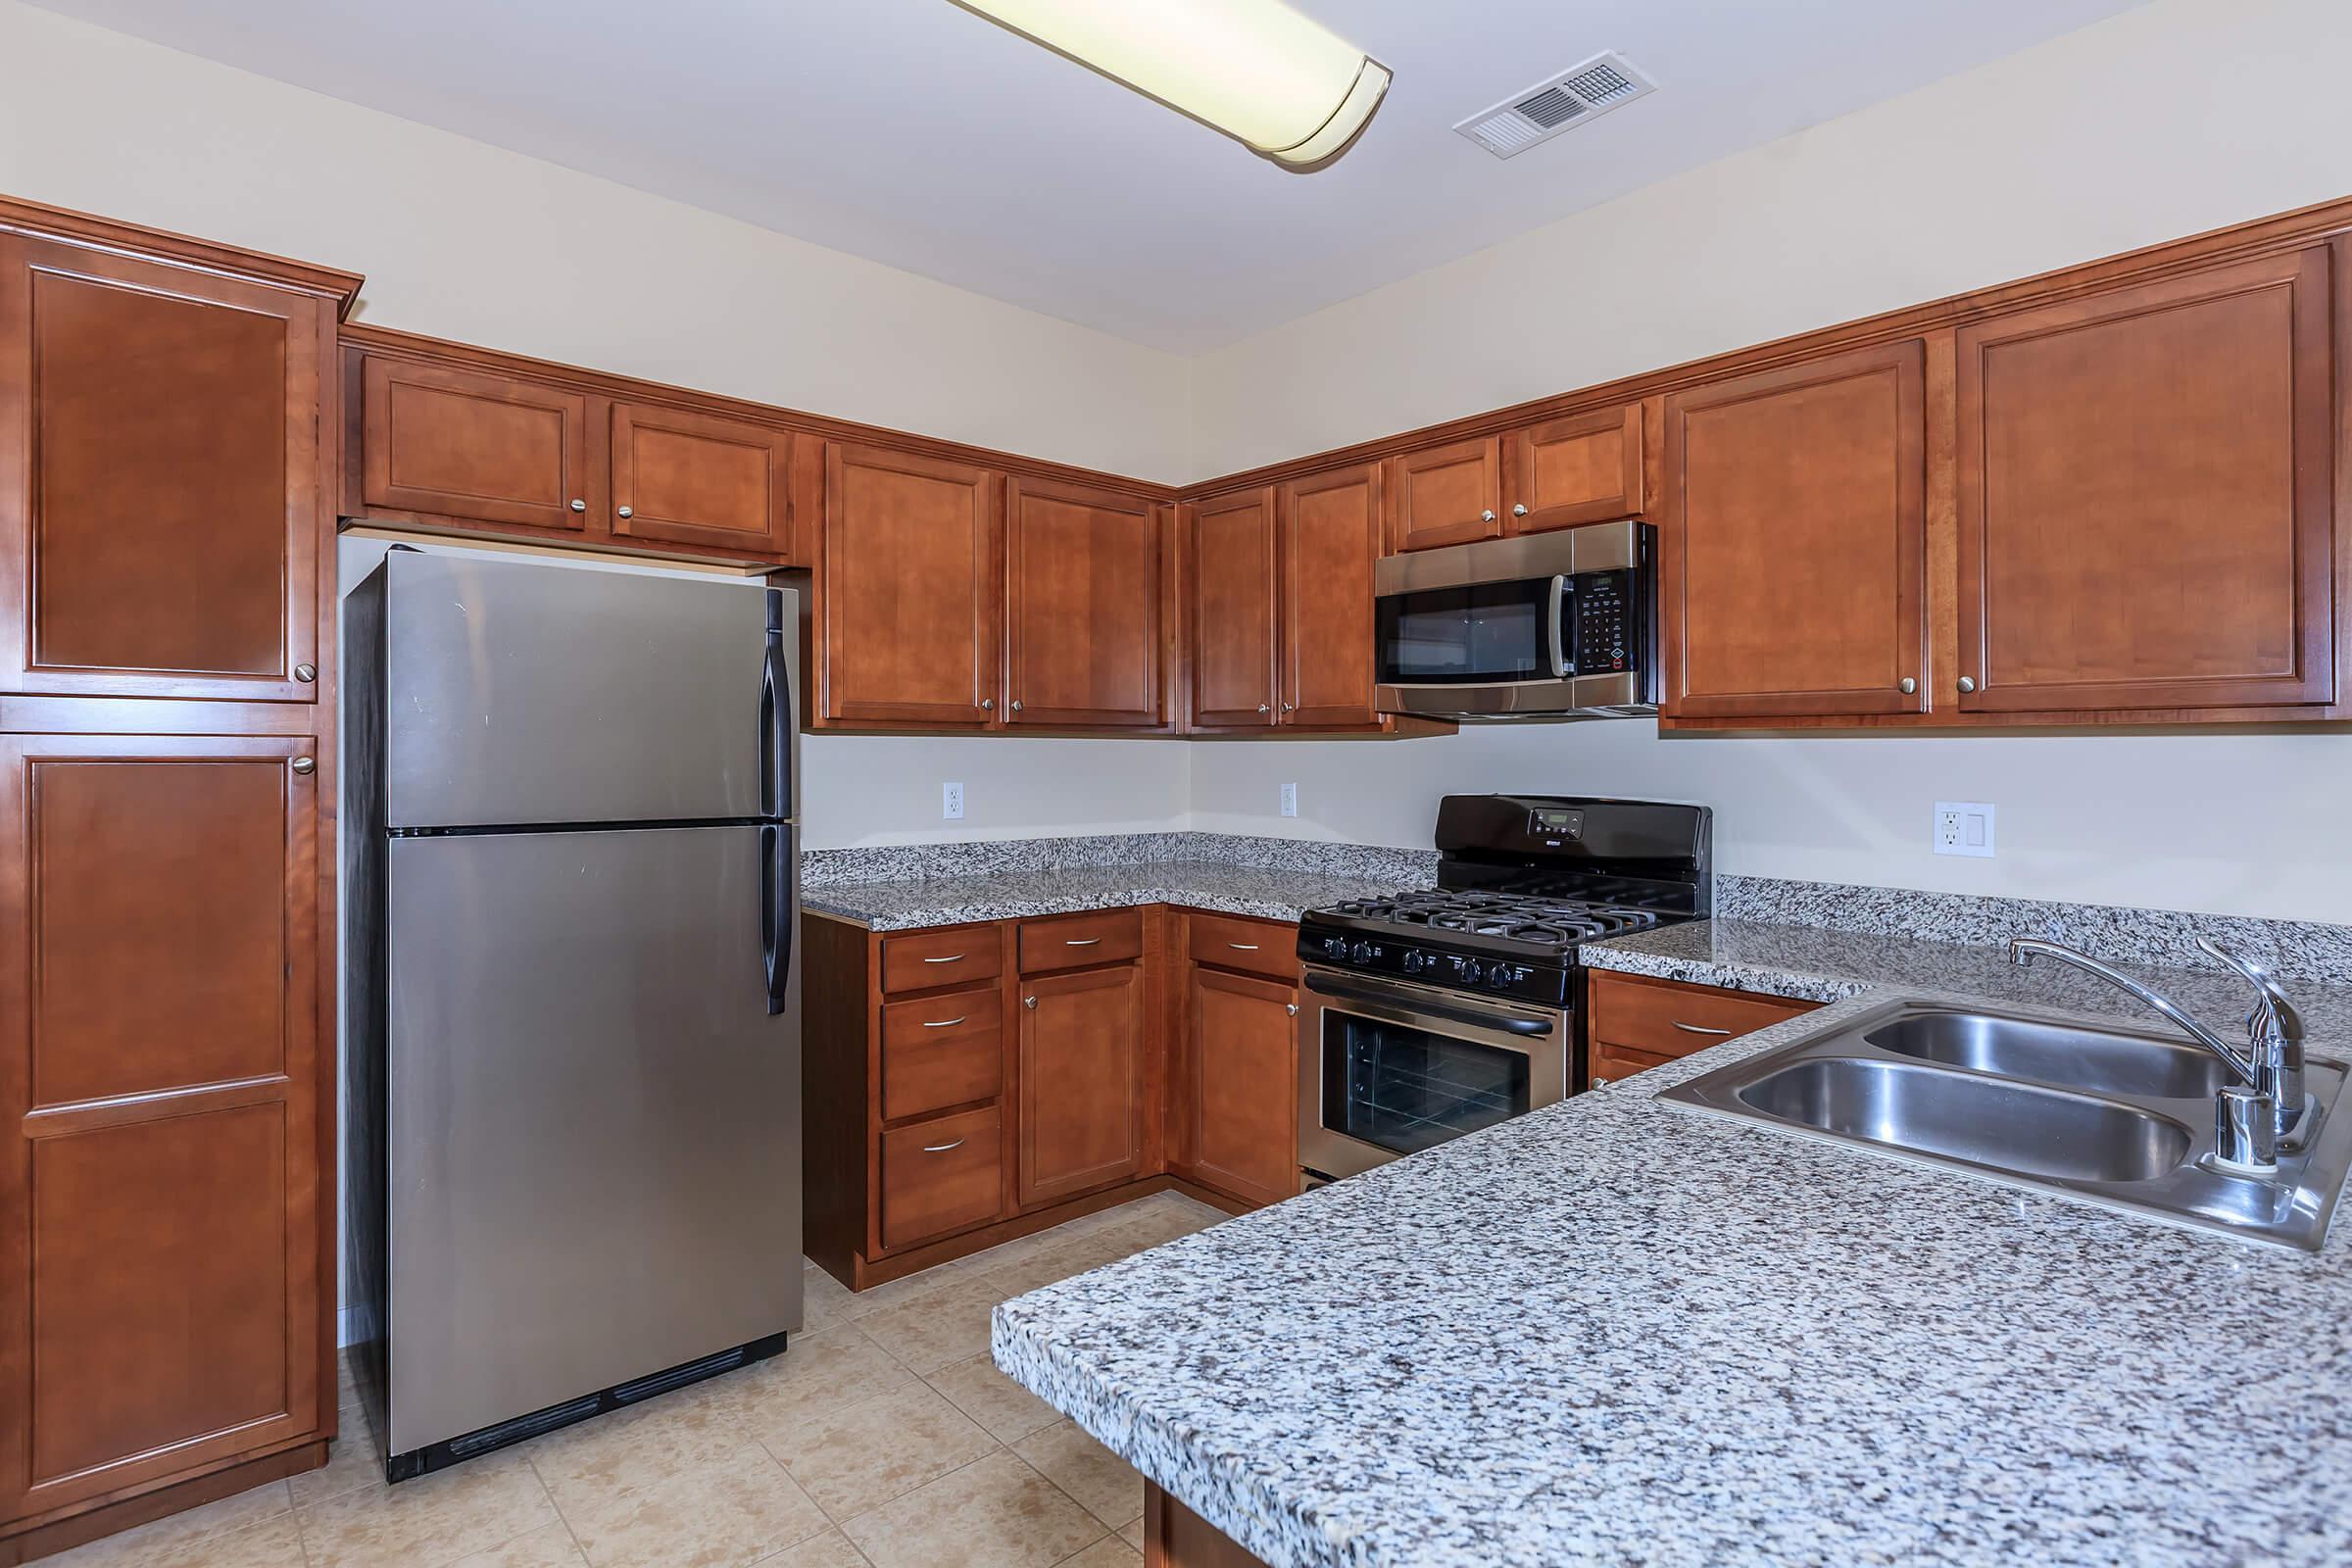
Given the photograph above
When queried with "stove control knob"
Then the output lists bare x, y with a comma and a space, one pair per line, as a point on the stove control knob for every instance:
1472, 971
1363, 952
1415, 960
1336, 947
1501, 977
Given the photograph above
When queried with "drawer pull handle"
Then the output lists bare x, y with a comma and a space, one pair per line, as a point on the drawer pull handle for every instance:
1080, 942
945, 1023
941, 1148
1243, 947
1697, 1029
953, 958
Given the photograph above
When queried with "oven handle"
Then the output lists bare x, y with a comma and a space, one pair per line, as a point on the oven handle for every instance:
1430, 1007
1552, 620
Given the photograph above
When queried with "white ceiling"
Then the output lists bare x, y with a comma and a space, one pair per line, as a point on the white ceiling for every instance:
914, 134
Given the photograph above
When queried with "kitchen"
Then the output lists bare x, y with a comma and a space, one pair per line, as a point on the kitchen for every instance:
1971, 473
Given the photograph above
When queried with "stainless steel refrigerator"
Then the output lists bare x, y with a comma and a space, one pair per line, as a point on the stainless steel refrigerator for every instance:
572, 1002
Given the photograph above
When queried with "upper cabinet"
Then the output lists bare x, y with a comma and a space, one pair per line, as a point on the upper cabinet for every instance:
908, 598
1229, 572
2146, 489
1448, 495
686, 478
161, 487
1581, 467
465, 442
1330, 540
1793, 539
1083, 616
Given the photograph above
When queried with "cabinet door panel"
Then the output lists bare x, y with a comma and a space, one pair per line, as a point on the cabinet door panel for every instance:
2145, 494
1585, 467
1229, 574
162, 494
1795, 544
1244, 1083
1330, 540
469, 444
161, 1307
1080, 1082
908, 588
1082, 607
696, 480
1448, 495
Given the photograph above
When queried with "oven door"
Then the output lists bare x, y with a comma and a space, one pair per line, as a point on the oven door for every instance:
1387, 1068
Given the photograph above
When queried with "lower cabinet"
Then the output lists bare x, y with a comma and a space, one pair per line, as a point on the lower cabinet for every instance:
1236, 1075
1082, 1081
1632, 1023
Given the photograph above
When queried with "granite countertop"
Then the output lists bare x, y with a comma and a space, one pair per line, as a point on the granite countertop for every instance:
1619, 1330
1270, 893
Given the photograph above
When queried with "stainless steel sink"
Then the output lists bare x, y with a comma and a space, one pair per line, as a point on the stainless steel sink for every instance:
2112, 1115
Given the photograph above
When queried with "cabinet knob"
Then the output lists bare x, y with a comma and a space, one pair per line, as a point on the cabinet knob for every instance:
577, 505
988, 705
1029, 1001
1291, 1008
628, 512
1968, 683
1290, 707
1906, 685
1263, 708
303, 765
1519, 511
1600, 1083
306, 674
1487, 515
1016, 704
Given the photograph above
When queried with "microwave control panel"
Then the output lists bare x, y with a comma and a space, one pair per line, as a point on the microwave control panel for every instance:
1607, 627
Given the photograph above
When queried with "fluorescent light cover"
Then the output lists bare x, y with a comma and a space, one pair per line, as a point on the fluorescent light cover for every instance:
1256, 70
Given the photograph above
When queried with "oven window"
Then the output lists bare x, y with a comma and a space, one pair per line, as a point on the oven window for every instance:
1404, 1087
1482, 633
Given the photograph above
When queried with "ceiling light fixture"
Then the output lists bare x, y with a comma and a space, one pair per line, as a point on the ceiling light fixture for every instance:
1284, 86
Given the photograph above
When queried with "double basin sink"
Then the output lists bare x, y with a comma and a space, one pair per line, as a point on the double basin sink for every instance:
2111, 1115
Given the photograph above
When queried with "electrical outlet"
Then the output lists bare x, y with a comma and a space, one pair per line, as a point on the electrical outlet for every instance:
1290, 799
951, 803
1964, 827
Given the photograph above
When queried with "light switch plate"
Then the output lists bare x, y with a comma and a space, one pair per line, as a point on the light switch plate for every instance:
1290, 799
951, 803
1964, 827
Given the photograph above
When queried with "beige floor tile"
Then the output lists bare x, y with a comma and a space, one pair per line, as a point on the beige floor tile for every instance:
1106, 1484
1108, 1552
996, 1513
1008, 1411
1069, 1257
433, 1520
824, 1299
719, 1513
637, 1447
936, 1330
875, 1297
1132, 1533
1161, 1226
862, 1457
827, 1370
352, 1463
252, 1530
832, 1550
548, 1546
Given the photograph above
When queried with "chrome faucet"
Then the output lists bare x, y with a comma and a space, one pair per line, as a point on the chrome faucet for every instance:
2253, 1116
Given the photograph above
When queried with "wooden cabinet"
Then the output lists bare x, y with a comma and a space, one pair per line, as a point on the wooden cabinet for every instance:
165, 1198
1082, 607
1633, 1022
1330, 539
1794, 540
467, 443
942, 1176
1082, 1081
908, 589
686, 478
2147, 487
1446, 495
162, 494
1241, 1084
1579, 469
1229, 573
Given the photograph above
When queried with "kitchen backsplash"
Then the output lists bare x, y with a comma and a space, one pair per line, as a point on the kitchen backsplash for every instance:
897, 862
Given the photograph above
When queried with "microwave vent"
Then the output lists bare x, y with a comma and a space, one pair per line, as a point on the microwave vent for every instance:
1558, 103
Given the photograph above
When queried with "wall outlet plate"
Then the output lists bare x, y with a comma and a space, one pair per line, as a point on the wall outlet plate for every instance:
1290, 799
951, 803
1964, 827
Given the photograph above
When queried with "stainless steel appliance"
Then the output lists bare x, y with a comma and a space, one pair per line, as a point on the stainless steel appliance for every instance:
1435, 1013
574, 1011
1545, 627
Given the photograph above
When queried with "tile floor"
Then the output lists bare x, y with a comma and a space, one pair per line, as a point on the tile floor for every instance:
884, 1437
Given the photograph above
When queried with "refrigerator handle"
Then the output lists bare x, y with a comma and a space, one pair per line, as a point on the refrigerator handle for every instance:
777, 875
776, 720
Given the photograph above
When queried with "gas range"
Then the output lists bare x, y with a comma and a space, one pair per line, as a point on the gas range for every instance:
1519, 944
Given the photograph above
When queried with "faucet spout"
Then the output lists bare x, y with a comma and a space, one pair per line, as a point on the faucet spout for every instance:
2024, 949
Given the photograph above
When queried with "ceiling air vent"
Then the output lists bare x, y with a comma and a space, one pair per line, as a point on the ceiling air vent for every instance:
1541, 112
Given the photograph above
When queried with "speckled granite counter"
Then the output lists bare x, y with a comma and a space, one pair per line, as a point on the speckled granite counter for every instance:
1270, 892
1615, 1331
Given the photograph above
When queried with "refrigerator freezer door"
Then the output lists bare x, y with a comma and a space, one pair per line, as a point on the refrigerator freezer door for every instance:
524, 692
593, 1123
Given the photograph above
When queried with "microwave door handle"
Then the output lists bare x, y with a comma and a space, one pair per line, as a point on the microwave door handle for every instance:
1559, 651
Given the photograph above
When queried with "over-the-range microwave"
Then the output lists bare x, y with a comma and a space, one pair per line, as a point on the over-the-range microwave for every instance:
1546, 625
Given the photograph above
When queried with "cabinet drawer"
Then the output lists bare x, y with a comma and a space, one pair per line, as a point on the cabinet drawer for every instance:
1258, 946
939, 1052
1613, 1062
1068, 942
924, 960
1665, 1019
941, 1176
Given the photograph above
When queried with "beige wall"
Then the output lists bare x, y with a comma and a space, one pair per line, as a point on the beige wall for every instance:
2180, 117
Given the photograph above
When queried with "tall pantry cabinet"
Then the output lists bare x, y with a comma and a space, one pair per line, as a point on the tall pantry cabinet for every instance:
166, 761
